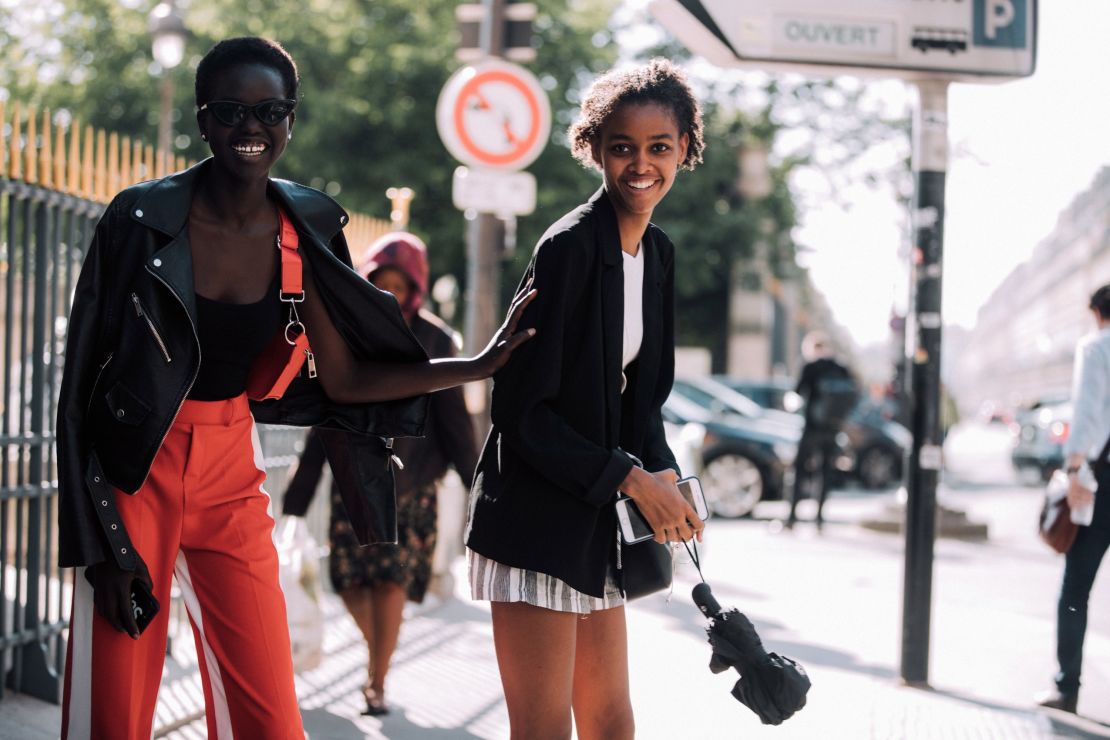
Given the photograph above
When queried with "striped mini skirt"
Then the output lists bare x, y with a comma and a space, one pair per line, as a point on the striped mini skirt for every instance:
493, 581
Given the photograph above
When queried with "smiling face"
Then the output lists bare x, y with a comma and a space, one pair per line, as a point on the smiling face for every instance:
248, 149
639, 151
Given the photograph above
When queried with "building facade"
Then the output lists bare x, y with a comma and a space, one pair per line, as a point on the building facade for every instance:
1022, 346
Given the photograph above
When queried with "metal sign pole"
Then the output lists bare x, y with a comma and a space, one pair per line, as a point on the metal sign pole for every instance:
483, 251
930, 158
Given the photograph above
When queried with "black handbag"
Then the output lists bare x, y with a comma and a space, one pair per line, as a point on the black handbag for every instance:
648, 568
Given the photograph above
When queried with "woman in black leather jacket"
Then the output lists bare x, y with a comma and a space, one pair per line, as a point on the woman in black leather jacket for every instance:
186, 267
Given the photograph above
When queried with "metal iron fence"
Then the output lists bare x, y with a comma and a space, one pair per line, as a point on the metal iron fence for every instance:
50, 199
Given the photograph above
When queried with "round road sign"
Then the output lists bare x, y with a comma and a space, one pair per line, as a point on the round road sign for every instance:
494, 115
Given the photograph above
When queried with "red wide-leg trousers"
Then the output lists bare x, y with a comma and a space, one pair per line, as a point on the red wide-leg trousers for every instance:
204, 517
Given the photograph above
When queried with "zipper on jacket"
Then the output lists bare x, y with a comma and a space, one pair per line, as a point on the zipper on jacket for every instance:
618, 547
392, 459
196, 372
150, 325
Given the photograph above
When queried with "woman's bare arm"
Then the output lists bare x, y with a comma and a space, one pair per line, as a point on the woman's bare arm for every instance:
348, 380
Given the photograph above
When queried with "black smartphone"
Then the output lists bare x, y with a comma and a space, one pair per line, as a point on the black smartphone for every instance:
144, 606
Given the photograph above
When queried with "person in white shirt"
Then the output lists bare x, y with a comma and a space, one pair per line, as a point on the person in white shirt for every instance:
1086, 445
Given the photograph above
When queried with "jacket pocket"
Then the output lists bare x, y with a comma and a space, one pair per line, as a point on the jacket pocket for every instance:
96, 381
157, 335
126, 407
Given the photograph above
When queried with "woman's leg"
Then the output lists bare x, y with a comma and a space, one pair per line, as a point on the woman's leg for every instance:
536, 654
111, 681
228, 574
360, 604
388, 606
602, 708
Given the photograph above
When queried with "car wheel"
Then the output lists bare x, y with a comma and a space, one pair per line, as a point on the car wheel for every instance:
733, 485
877, 468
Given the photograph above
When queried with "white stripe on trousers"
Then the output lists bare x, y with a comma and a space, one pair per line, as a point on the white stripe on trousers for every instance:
215, 680
80, 671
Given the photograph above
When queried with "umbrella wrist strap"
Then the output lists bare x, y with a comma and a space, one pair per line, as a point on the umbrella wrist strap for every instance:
694, 556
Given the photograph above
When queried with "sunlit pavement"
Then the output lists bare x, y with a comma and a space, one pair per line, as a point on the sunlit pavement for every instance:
831, 600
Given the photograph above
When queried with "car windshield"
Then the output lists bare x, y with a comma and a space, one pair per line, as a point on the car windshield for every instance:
711, 395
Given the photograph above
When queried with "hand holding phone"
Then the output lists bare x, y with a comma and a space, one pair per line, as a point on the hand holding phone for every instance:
123, 598
144, 607
635, 527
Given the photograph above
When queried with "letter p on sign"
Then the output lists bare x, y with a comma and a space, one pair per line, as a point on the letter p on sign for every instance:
1000, 23
1000, 13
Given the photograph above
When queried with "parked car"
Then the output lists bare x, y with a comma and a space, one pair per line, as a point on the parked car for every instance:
745, 460
874, 445
776, 393
1039, 433
719, 398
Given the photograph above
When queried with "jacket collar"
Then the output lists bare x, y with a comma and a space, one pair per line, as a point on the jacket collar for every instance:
165, 205
608, 230
610, 235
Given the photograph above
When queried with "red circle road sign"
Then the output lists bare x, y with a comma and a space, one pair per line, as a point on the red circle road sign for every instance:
494, 115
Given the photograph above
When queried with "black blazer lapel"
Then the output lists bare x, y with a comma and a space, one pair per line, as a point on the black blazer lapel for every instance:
612, 298
647, 371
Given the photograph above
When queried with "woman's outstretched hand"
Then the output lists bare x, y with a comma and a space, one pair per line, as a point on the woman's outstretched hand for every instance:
507, 338
112, 593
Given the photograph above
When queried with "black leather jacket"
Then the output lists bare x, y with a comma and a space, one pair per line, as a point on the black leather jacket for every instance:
132, 355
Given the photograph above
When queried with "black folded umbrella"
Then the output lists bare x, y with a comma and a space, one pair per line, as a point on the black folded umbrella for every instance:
772, 686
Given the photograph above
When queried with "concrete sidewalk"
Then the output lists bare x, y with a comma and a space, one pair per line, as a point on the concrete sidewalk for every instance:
831, 601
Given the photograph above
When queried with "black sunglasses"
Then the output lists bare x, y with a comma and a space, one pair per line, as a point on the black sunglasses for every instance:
232, 112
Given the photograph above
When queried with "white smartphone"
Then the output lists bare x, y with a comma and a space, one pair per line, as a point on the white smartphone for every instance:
690, 488
634, 528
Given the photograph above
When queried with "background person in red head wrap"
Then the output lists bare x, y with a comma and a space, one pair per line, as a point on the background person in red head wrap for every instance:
375, 581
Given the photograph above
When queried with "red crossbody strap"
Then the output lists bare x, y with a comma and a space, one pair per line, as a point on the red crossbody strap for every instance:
292, 286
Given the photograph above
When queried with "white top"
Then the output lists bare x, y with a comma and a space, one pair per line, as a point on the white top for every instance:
1090, 396
633, 308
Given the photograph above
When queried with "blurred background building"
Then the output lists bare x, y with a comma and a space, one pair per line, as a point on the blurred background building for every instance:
1022, 346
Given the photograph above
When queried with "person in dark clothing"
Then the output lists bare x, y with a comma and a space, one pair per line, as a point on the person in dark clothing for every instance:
569, 415
374, 581
817, 450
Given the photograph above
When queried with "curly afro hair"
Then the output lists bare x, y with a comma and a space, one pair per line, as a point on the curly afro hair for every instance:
240, 51
658, 81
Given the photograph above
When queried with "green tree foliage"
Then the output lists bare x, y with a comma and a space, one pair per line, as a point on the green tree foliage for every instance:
371, 74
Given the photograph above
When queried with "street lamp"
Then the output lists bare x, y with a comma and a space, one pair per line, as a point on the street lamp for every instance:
167, 32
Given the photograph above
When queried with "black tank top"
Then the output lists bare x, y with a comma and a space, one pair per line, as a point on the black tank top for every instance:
231, 336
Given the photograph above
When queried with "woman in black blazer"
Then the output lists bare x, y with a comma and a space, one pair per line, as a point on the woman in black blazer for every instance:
574, 408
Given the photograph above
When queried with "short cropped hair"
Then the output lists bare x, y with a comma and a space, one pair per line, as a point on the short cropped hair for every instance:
1100, 301
658, 81
245, 50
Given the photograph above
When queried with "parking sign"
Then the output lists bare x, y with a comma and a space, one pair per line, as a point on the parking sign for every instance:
999, 24
915, 39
